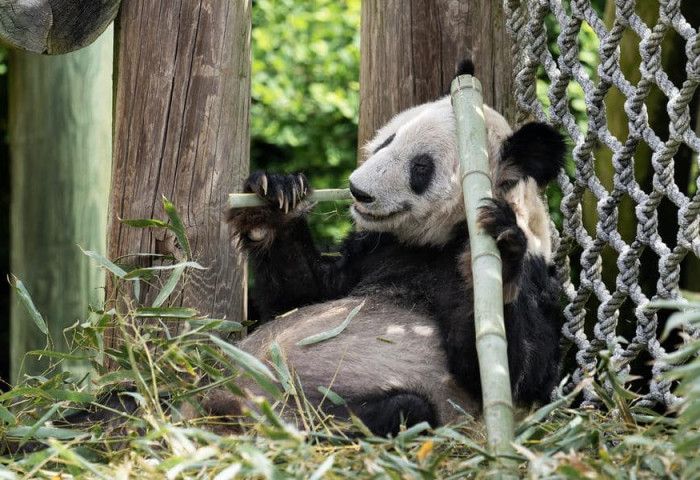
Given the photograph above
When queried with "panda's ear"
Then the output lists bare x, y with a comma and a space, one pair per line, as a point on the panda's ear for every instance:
465, 67
536, 150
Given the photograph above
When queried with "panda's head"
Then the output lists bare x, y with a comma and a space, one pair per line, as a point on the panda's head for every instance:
409, 183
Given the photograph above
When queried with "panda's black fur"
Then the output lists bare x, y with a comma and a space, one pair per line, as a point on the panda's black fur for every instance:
416, 286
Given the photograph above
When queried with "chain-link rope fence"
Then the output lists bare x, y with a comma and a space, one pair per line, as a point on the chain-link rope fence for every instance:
626, 300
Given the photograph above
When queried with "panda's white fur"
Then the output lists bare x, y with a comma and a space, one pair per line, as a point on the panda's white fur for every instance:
431, 128
410, 350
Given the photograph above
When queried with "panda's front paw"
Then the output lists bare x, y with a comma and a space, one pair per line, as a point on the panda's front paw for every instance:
281, 190
498, 219
257, 227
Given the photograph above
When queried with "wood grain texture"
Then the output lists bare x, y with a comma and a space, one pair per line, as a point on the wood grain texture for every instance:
54, 26
61, 147
410, 51
181, 130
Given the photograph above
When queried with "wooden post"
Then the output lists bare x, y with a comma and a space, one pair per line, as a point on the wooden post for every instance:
60, 139
54, 26
410, 51
181, 130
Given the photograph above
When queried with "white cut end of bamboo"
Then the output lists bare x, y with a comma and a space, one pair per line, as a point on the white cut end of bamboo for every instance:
243, 200
492, 348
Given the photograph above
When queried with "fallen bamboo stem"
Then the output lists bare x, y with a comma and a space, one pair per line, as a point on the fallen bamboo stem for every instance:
491, 345
243, 200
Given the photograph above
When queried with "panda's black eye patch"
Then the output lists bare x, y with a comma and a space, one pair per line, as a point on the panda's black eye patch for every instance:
385, 142
422, 170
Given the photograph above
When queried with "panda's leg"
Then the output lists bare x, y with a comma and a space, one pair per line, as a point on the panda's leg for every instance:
384, 414
288, 268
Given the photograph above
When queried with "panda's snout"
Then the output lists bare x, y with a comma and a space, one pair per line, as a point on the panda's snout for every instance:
359, 195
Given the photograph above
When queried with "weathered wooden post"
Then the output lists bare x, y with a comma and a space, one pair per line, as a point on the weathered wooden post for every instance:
181, 130
60, 138
410, 51
54, 26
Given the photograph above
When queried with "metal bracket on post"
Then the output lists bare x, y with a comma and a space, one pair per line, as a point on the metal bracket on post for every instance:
491, 344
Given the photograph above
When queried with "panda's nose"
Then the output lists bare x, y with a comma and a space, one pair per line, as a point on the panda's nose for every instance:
359, 195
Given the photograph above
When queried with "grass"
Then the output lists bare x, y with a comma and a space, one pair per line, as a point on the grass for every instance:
166, 373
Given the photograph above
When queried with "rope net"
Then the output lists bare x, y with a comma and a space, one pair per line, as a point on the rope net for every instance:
647, 264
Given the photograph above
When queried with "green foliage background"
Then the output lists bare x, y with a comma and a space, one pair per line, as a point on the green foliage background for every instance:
305, 96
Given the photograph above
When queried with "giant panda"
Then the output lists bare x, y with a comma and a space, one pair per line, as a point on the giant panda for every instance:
409, 354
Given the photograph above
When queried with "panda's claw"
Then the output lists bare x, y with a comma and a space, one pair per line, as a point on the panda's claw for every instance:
282, 191
263, 183
295, 196
302, 187
280, 199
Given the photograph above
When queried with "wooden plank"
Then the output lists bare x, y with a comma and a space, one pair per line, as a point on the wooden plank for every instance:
181, 128
54, 26
410, 51
61, 144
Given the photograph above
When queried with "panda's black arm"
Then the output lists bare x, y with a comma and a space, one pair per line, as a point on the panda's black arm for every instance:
293, 273
532, 314
289, 270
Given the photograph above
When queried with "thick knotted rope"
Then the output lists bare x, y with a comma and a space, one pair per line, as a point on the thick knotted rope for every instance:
526, 25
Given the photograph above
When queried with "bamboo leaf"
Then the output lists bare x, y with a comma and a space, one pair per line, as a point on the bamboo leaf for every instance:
320, 337
71, 396
245, 359
44, 432
229, 473
148, 271
673, 304
28, 303
323, 469
216, 324
281, 368
144, 223
169, 286
251, 365
25, 392
332, 396
413, 431
680, 320
118, 271
6, 416
166, 312
177, 227
62, 355
38, 424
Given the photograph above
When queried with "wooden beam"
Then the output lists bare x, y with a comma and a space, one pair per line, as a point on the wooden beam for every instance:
54, 26
410, 51
181, 127
61, 146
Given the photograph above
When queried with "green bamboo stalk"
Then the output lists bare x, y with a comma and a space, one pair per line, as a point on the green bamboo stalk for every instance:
242, 200
486, 267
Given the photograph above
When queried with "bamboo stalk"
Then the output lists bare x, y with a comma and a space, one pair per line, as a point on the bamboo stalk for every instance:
486, 268
243, 200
